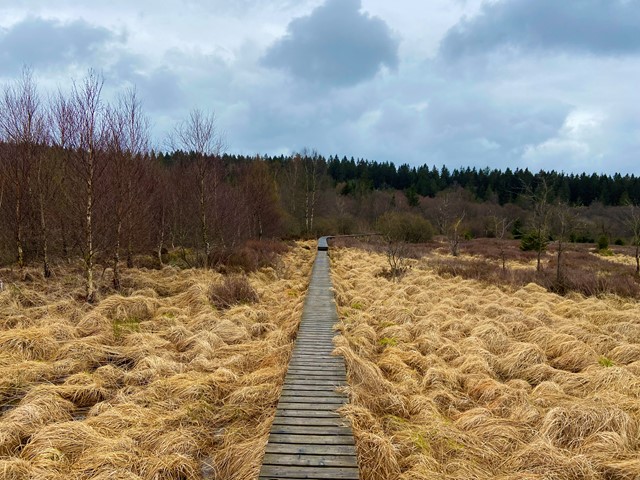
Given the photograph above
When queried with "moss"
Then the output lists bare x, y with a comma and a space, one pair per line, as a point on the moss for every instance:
121, 328
388, 342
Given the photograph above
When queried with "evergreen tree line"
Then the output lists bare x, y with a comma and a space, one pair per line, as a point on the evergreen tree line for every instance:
483, 184
360, 175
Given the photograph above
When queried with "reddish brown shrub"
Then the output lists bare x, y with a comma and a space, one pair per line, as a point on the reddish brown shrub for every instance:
233, 290
251, 256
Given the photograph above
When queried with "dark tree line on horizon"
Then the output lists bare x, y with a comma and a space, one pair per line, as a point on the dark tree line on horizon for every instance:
502, 186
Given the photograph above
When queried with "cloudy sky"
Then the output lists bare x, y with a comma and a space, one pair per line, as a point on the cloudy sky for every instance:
551, 84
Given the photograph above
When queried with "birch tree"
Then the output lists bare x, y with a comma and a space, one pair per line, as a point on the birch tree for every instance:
198, 134
23, 128
127, 140
89, 162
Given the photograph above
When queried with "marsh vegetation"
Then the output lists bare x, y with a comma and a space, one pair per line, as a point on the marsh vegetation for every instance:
457, 375
174, 376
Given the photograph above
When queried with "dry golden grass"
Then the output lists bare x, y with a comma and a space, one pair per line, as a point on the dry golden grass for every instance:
154, 383
456, 379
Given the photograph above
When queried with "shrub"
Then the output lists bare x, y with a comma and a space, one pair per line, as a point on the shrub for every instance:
603, 242
584, 274
233, 290
533, 242
404, 227
516, 230
619, 242
251, 256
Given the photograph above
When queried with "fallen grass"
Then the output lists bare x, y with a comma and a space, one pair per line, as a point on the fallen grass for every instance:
459, 379
153, 383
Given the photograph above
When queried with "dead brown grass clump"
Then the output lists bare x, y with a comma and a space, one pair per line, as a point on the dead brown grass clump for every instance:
453, 378
233, 290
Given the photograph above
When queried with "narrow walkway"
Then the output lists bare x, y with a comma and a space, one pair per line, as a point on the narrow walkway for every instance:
308, 439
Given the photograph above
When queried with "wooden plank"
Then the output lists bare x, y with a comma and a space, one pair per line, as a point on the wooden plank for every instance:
305, 376
315, 360
306, 413
316, 422
310, 460
311, 430
324, 393
311, 349
298, 380
311, 439
319, 391
313, 400
309, 406
316, 364
276, 472
311, 449
329, 372
317, 372
310, 354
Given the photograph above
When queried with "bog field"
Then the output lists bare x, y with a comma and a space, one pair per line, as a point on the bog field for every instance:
451, 373
156, 383
453, 378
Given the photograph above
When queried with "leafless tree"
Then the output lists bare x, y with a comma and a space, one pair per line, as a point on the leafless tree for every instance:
312, 171
394, 234
62, 132
198, 134
127, 143
89, 161
450, 218
565, 223
160, 201
23, 128
501, 226
539, 220
261, 198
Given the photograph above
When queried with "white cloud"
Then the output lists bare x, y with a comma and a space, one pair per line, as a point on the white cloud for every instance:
576, 142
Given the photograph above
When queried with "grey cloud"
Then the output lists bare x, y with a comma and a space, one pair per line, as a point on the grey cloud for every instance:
593, 26
336, 45
46, 43
160, 87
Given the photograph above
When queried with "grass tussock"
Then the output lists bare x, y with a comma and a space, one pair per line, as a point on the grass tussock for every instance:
453, 378
232, 290
170, 378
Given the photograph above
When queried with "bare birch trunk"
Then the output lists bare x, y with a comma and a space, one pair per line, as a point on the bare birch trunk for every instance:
116, 256
19, 244
90, 288
45, 239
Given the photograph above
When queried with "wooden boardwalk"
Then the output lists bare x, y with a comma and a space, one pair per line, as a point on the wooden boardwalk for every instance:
308, 439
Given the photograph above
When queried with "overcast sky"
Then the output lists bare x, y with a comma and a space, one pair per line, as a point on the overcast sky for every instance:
543, 84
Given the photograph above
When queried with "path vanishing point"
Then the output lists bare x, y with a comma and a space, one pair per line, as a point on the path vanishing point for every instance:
308, 439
